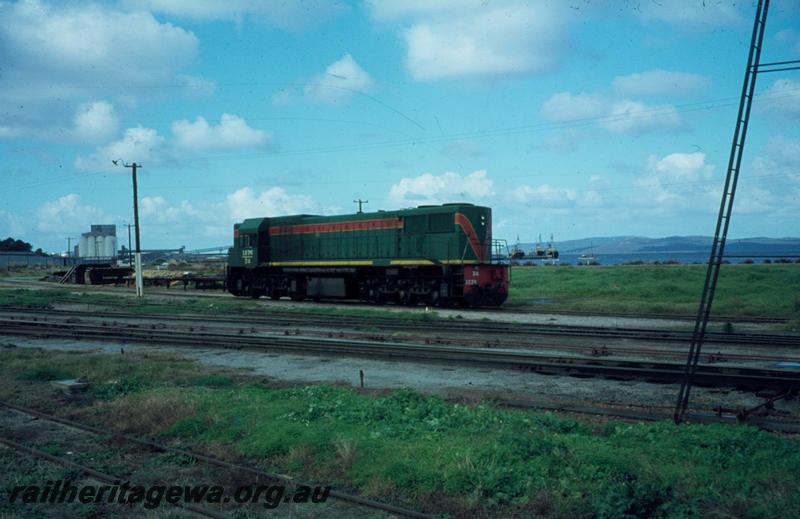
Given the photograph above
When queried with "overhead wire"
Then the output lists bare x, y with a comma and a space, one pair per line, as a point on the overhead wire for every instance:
656, 112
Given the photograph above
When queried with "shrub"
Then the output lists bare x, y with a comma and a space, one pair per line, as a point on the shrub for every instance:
45, 374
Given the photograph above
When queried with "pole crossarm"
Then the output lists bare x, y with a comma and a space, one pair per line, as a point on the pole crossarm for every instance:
774, 66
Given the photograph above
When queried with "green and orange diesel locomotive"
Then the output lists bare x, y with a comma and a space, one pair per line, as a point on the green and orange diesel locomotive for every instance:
432, 255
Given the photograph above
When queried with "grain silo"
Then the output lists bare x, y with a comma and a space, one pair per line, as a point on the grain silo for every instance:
99, 242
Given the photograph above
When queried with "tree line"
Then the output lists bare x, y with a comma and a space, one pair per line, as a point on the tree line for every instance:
12, 245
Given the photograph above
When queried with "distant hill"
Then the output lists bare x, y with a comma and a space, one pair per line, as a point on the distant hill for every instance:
639, 244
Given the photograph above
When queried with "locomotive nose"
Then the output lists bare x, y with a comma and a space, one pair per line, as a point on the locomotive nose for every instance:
485, 285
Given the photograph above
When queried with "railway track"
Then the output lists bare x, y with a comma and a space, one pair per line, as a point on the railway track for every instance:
110, 436
578, 366
487, 328
461, 338
634, 315
103, 477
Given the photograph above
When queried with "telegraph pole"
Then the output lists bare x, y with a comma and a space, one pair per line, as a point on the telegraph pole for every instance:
138, 256
359, 202
69, 250
128, 225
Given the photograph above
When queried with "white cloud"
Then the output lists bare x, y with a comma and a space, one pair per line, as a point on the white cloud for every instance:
564, 106
8, 132
157, 209
145, 145
76, 44
790, 38
137, 144
95, 121
447, 187
752, 199
282, 98
232, 132
56, 56
215, 219
68, 212
635, 116
676, 182
12, 225
563, 142
196, 86
660, 82
185, 220
681, 166
771, 184
785, 151
623, 116
781, 98
549, 196
245, 203
289, 14
449, 40
390, 11
339, 82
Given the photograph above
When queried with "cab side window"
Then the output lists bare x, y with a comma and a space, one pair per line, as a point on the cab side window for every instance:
442, 222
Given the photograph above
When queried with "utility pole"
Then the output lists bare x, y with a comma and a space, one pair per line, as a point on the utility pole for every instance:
359, 202
138, 256
69, 250
128, 225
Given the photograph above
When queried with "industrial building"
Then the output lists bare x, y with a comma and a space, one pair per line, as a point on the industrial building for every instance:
100, 242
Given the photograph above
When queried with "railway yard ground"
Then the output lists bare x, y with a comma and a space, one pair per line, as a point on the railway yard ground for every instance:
557, 405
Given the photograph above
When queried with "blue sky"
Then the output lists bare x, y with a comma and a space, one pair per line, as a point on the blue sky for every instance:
577, 118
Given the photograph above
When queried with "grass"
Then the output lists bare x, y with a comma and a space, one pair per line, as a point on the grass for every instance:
743, 290
408, 448
27, 271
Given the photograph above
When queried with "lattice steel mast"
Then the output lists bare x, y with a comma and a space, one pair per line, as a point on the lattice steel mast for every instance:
725, 208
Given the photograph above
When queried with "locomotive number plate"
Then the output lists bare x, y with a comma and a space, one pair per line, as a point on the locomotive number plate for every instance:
247, 255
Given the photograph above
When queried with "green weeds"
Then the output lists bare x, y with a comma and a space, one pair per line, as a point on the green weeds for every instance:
412, 449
